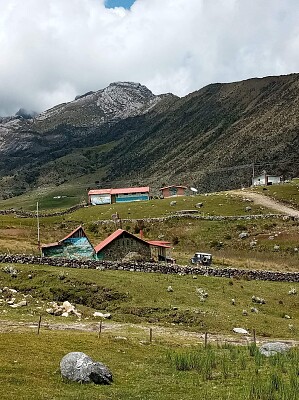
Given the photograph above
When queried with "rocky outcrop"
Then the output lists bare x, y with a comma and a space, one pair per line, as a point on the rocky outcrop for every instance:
79, 367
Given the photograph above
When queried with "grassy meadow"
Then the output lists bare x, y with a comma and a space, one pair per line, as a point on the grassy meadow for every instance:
176, 364
157, 371
258, 250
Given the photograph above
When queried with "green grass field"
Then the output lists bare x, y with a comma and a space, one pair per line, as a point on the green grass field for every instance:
30, 370
175, 365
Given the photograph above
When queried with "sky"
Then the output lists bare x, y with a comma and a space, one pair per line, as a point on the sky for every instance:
53, 50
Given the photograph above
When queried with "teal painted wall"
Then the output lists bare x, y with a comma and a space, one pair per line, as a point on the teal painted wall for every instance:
134, 197
75, 248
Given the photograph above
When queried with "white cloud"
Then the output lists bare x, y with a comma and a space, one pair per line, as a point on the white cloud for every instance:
52, 50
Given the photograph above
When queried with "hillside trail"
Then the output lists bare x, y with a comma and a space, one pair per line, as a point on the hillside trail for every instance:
267, 202
140, 332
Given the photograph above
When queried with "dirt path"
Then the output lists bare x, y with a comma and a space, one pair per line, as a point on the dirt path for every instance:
125, 331
267, 202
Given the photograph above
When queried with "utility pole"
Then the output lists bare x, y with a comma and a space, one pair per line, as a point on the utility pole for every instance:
253, 173
38, 230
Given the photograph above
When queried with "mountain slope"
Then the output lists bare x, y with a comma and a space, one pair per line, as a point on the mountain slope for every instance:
124, 133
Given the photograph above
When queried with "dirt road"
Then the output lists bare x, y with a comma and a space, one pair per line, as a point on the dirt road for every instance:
124, 331
267, 202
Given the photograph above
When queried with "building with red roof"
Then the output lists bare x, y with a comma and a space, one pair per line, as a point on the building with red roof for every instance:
75, 245
121, 195
120, 243
173, 190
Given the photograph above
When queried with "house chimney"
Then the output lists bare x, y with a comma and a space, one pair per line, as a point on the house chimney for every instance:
141, 234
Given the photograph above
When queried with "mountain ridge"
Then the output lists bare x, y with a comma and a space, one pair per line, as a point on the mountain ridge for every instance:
157, 139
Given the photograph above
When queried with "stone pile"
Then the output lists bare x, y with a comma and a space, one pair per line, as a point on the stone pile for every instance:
64, 310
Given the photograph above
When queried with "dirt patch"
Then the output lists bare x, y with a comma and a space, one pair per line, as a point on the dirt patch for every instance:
267, 202
127, 329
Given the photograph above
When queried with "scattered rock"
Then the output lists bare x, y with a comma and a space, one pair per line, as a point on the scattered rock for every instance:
233, 302
276, 247
272, 348
254, 310
20, 304
286, 316
199, 205
173, 203
258, 300
243, 235
293, 291
245, 313
62, 310
241, 330
102, 315
79, 367
247, 208
202, 294
169, 289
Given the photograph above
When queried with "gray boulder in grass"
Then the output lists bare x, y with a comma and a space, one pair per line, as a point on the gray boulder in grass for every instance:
272, 348
79, 367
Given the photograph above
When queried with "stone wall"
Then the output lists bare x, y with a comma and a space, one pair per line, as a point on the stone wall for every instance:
120, 247
154, 268
32, 214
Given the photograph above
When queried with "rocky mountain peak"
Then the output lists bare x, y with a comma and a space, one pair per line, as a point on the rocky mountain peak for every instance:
117, 101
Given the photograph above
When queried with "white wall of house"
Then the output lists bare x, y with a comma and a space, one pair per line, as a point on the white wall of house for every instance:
265, 179
97, 199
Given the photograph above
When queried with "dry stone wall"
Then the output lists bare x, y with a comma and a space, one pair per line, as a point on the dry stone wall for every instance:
151, 267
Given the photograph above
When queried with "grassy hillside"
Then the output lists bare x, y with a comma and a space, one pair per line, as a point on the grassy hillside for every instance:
169, 367
221, 238
175, 365
208, 139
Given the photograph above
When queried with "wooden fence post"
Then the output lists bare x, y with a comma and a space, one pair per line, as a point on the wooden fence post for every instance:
151, 335
100, 329
254, 336
206, 339
39, 323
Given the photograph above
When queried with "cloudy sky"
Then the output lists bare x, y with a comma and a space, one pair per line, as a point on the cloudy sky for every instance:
52, 50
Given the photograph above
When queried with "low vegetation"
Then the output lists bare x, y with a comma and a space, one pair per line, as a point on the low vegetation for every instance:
177, 309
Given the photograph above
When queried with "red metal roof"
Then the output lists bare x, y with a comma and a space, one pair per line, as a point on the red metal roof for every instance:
171, 186
108, 240
99, 191
50, 245
71, 234
113, 236
159, 243
143, 189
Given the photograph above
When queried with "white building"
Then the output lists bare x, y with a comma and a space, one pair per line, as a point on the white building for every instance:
265, 179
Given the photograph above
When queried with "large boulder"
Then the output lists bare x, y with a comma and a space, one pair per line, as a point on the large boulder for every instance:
79, 367
272, 348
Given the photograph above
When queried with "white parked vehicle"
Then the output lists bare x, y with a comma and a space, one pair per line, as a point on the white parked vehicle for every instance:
202, 258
